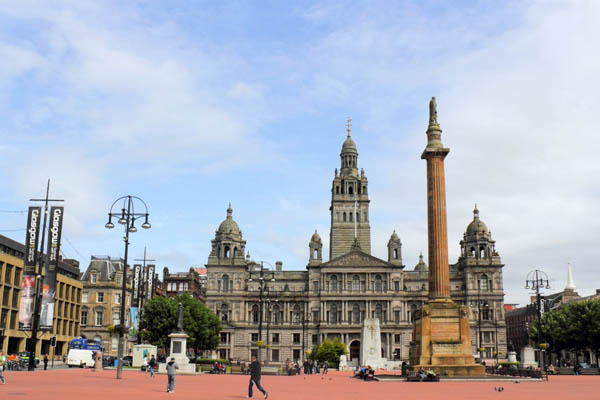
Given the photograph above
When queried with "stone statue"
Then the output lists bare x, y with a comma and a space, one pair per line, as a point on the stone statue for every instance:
179, 318
433, 112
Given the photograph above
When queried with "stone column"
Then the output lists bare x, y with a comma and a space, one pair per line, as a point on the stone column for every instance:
434, 153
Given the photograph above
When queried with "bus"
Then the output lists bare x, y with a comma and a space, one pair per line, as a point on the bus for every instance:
81, 352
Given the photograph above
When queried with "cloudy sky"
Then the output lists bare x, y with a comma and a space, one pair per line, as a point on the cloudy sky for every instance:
192, 105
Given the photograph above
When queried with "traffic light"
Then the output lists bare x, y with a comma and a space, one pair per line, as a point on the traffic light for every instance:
53, 341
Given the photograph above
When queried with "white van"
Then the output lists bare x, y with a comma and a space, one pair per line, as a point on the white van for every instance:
80, 358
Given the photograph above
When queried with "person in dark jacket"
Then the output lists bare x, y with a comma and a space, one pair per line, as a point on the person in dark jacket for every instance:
45, 362
255, 378
152, 365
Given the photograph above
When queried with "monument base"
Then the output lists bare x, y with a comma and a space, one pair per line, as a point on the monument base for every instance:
178, 350
442, 340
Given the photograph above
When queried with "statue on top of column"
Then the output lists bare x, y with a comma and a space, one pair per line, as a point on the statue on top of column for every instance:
180, 318
433, 112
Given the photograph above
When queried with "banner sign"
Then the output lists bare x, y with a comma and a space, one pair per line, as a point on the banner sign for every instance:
135, 322
135, 289
150, 282
49, 288
28, 283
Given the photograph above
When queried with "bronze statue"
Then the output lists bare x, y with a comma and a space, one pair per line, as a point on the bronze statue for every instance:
433, 112
180, 318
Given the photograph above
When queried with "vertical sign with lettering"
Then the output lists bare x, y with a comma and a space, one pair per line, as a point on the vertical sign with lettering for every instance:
150, 282
135, 289
49, 289
28, 283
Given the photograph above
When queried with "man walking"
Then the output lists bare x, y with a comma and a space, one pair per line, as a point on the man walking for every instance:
325, 367
152, 365
255, 378
45, 362
3, 362
171, 371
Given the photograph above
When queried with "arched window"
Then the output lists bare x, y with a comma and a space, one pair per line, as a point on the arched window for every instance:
356, 283
297, 313
379, 312
334, 283
350, 189
255, 313
337, 190
356, 314
483, 282
235, 252
350, 215
395, 254
276, 315
316, 254
344, 217
378, 283
482, 252
333, 314
472, 251
357, 217
224, 313
227, 252
225, 283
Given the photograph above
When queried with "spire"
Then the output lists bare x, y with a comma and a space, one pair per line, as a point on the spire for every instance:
229, 211
348, 125
421, 258
570, 283
475, 212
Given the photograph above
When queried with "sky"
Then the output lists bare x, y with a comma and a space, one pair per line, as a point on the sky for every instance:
191, 105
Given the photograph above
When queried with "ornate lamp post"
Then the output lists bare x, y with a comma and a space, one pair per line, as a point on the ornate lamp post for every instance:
127, 218
263, 280
537, 280
269, 302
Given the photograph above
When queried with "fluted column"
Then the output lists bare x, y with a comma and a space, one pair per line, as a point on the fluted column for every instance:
437, 231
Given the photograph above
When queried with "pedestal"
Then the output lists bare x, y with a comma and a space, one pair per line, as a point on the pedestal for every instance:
528, 357
370, 344
442, 340
178, 352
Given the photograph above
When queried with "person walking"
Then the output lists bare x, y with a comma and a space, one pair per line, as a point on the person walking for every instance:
3, 363
325, 367
172, 368
152, 365
255, 378
45, 362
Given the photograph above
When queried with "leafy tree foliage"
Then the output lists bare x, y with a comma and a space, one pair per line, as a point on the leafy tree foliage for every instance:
159, 319
576, 326
329, 350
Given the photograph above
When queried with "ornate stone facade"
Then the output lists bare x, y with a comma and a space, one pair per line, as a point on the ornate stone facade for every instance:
330, 299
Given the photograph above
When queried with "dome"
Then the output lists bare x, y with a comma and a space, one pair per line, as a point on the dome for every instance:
394, 237
349, 146
421, 266
229, 225
315, 237
476, 226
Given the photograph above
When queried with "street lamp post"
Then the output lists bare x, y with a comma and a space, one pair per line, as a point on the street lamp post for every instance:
262, 284
269, 313
537, 280
126, 217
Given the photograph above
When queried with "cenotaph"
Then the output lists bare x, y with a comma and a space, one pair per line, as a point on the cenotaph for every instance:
370, 344
441, 332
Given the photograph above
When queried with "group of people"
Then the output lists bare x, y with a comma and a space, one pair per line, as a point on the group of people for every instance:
150, 366
425, 374
218, 368
313, 367
365, 372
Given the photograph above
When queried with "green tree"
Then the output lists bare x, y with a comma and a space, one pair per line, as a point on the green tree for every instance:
329, 350
159, 319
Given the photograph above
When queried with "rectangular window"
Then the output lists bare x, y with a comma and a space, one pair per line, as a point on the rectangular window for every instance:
7, 272
15, 298
315, 316
84, 314
6, 295
275, 355
316, 286
117, 298
397, 316
93, 279
115, 343
315, 340
17, 280
13, 319
84, 298
397, 286
223, 337
98, 318
397, 339
296, 338
254, 337
275, 338
100, 297
296, 354
116, 317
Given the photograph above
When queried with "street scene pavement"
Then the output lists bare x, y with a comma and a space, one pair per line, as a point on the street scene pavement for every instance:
102, 385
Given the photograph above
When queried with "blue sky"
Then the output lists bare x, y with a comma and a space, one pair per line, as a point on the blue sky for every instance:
192, 105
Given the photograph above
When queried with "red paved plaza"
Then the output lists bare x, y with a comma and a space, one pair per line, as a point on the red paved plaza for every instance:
102, 385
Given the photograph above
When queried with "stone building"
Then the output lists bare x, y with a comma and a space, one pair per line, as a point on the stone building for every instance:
191, 282
330, 298
101, 302
66, 311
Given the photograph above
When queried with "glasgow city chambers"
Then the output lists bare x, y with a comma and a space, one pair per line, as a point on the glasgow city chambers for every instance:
279, 314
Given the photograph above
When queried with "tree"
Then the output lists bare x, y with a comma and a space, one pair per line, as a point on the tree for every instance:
159, 319
329, 350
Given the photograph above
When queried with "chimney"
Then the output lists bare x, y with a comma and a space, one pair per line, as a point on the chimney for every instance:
278, 265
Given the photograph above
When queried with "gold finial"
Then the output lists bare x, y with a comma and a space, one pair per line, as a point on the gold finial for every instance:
348, 125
